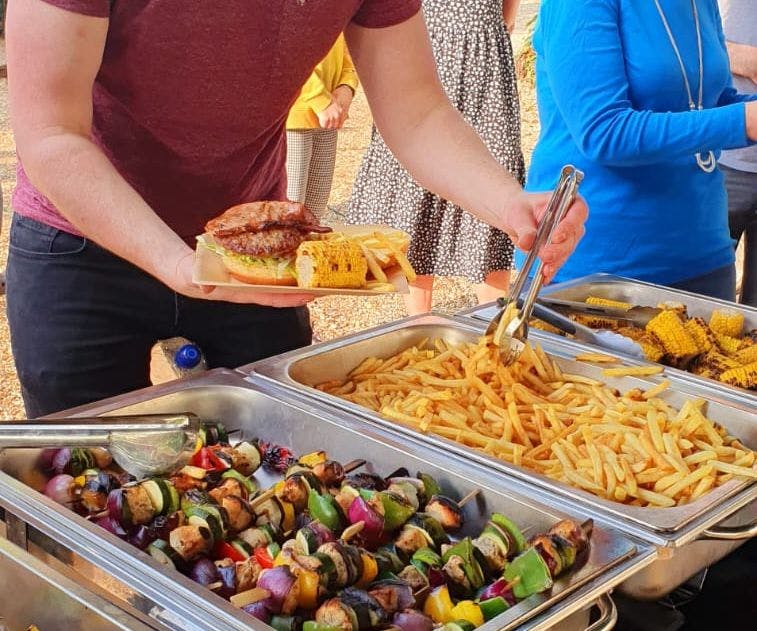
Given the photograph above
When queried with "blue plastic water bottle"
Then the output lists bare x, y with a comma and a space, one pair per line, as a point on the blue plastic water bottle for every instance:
189, 360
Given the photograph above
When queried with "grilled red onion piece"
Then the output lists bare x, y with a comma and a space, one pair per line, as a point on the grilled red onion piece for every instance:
60, 488
204, 572
412, 620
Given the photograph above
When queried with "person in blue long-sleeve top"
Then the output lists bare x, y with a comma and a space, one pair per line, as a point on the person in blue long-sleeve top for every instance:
613, 101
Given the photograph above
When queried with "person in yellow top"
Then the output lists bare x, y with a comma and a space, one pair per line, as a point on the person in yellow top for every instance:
312, 127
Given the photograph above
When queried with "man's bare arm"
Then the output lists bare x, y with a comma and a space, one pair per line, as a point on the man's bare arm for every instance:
438, 147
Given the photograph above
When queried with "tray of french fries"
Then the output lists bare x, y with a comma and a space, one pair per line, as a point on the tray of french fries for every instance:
351, 260
701, 339
625, 441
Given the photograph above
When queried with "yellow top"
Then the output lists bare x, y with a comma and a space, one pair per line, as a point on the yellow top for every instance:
336, 69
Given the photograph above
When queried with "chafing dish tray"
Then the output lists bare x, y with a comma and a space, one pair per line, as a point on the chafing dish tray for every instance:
645, 294
669, 528
260, 411
304, 368
36, 594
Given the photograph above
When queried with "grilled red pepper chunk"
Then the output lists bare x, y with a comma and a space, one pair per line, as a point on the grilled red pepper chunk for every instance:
225, 550
206, 459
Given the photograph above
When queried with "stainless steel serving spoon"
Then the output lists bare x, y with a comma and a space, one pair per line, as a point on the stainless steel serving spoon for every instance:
143, 445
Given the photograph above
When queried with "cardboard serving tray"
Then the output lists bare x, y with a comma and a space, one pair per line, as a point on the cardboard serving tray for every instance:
210, 270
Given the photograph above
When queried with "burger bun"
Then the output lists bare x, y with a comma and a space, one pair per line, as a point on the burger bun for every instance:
258, 274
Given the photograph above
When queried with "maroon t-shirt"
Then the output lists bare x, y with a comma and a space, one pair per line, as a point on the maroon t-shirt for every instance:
191, 98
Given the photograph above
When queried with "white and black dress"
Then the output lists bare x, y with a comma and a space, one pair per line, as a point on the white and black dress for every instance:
475, 61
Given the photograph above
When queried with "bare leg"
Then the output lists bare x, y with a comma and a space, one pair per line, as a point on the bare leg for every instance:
494, 286
421, 292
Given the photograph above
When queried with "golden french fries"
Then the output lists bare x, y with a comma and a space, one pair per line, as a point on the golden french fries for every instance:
632, 371
596, 358
630, 447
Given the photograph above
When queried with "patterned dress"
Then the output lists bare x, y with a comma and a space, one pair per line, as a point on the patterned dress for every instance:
475, 61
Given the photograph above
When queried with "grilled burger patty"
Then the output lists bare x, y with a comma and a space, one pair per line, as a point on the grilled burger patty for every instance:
267, 243
264, 228
260, 216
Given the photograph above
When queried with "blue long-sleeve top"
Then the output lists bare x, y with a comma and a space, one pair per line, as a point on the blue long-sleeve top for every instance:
612, 102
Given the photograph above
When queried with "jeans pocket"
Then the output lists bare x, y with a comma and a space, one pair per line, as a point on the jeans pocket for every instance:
38, 240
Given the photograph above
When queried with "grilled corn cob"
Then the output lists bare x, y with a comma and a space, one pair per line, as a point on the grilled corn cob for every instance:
743, 376
596, 322
652, 350
717, 362
729, 345
678, 307
535, 323
746, 355
668, 328
330, 264
701, 333
606, 302
727, 322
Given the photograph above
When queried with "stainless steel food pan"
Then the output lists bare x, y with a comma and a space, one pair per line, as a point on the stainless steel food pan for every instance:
33, 593
241, 405
644, 294
302, 369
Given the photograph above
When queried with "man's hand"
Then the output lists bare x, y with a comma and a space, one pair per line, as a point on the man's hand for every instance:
181, 282
522, 215
442, 152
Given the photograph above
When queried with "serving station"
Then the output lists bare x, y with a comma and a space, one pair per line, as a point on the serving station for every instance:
639, 548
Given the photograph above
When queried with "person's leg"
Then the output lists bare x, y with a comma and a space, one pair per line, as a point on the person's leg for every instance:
321, 173
496, 285
742, 218
418, 301
231, 335
720, 283
82, 321
299, 152
749, 279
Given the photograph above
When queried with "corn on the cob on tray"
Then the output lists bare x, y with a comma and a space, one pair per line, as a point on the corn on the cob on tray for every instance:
719, 349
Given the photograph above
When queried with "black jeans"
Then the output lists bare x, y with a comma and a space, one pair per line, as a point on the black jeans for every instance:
83, 321
719, 283
742, 218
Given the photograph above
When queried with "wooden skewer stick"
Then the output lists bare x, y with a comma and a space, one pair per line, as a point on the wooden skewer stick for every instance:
352, 530
352, 465
262, 498
468, 497
92, 516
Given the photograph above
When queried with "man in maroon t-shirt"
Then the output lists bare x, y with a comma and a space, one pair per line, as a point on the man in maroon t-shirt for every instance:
136, 121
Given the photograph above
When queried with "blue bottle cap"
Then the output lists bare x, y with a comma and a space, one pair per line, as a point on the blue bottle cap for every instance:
188, 356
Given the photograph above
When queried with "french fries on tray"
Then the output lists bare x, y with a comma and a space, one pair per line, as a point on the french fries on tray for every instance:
630, 447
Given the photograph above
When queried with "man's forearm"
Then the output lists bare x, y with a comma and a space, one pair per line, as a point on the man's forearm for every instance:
743, 60
447, 157
82, 183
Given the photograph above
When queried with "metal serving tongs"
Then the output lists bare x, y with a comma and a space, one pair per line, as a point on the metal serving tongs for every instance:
511, 333
143, 445
636, 315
